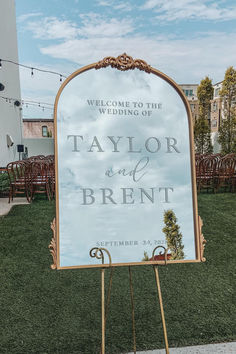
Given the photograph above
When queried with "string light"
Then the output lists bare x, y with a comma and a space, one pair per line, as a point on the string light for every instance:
28, 103
37, 102
32, 68
36, 105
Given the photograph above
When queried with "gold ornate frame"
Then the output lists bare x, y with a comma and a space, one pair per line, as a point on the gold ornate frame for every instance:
125, 62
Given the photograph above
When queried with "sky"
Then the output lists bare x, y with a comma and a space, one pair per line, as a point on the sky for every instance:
185, 39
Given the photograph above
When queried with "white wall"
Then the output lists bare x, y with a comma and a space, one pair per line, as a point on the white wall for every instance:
40, 146
10, 115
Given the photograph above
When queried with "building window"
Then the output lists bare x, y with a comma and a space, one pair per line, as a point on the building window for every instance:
214, 123
192, 107
188, 93
217, 92
44, 131
215, 106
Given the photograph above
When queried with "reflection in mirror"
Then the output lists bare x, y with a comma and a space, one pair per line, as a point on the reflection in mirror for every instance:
124, 169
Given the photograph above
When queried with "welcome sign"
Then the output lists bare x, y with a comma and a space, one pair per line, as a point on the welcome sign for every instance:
124, 166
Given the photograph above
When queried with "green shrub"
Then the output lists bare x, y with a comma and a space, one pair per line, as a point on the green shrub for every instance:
4, 182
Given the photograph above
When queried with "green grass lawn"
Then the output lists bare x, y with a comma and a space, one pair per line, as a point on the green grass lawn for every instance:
46, 311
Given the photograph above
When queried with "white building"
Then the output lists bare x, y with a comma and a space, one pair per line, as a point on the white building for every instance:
190, 91
10, 111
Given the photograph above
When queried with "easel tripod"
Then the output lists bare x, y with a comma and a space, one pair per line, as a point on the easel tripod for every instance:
99, 254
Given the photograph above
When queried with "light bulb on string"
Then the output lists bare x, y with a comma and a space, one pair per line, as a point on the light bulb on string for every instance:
60, 78
0, 63
32, 72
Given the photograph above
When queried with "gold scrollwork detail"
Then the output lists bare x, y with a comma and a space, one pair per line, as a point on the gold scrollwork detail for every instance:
202, 240
124, 62
53, 245
165, 253
98, 253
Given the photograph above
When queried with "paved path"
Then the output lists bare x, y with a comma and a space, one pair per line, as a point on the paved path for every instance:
223, 348
5, 207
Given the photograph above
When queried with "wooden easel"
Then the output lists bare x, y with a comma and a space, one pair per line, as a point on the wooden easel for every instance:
99, 254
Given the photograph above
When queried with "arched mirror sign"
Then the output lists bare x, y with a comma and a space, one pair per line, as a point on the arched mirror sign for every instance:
125, 174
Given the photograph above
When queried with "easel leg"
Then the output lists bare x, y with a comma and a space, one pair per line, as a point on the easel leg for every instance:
107, 303
132, 306
98, 253
103, 309
161, 308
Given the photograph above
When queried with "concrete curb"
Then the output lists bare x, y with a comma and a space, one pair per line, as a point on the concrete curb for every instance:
223, 348
5, 207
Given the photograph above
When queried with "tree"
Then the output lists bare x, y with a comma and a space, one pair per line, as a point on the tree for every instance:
202, 137
173, 235
202, 129
227, 135
145, 257
205, 93
227, 130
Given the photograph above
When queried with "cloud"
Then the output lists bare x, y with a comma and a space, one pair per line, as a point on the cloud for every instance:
96, 26
104, 3
92, 25
186, 60
53, 28
96, 36
123, 6
25, 17
168, 10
